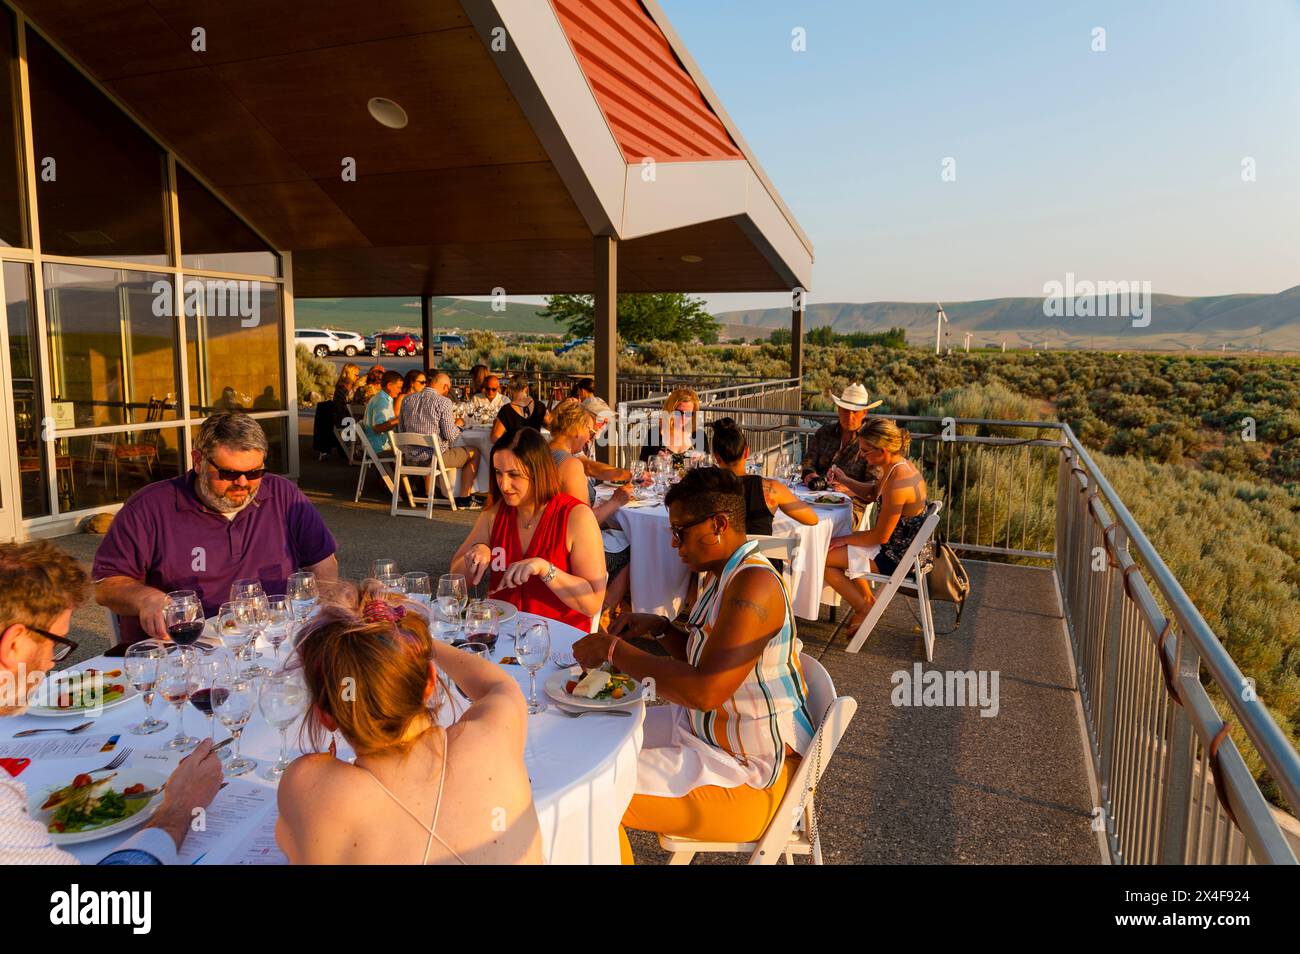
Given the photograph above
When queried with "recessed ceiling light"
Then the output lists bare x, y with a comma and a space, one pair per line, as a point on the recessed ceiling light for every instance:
693, 259
387, 113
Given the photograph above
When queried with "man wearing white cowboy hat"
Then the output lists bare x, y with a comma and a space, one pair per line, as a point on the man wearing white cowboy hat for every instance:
832, 453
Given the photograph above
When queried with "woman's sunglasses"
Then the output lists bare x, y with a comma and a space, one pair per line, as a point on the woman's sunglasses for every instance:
679, 531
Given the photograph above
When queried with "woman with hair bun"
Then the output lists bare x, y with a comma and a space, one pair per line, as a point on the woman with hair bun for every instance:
901, 499
763, 497
416, 793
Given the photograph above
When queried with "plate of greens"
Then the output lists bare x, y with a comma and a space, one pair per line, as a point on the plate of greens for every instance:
97, 805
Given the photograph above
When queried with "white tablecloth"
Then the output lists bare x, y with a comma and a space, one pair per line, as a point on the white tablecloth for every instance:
480, 437
583, 771
659, 578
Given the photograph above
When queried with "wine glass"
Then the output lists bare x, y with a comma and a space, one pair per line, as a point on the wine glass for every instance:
233, 705
184, 619
532, 649
243, 589
141, 663
476, 649
393, 583
234, 623
258, 610
481, 624
638, 472
382, 568
282, 698
279, 614
213, 671
177, 681
419, 589
453, 594
303, 594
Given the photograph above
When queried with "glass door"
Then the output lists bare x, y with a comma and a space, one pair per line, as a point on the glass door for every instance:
10, 490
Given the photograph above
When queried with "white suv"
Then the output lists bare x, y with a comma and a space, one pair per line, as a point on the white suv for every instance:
321, 342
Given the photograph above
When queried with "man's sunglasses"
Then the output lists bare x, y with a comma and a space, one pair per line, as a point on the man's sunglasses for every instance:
491, 390
227, 474
678, 531
63, 644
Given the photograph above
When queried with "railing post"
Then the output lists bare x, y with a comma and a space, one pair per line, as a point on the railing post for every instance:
1107, 720
1180, 767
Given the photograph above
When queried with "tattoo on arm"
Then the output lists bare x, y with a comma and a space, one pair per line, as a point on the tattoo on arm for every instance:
751, 606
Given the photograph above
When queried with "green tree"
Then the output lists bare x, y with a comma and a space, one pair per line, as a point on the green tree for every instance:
669, 316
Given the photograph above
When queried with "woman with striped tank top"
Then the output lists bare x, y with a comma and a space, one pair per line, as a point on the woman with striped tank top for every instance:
716, 761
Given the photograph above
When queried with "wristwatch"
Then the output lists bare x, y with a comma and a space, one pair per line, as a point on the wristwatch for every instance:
550, 574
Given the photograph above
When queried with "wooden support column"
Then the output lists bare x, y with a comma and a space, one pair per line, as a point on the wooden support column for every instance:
426, 329
605, 299
796, 334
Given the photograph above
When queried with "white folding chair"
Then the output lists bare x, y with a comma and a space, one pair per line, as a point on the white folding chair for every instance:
403, 470
899, 579
793, 828
785, 549
370, 459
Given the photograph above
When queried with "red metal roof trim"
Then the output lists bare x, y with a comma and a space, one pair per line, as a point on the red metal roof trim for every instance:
652, 105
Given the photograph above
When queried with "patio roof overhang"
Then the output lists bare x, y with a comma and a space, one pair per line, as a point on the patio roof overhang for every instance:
517, 152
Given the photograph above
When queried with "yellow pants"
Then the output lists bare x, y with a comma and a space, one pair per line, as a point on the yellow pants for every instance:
707, 813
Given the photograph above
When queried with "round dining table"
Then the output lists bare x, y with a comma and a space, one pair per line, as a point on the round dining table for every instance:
658, 578
582, 770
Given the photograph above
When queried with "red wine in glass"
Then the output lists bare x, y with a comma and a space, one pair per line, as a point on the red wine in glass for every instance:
203, 699
186, 633
487, 639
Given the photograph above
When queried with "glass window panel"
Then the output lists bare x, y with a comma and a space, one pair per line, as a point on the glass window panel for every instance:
101, 182
235, 345
13, 208
108, 468
276, 442
112, 356
214, 239
24, 365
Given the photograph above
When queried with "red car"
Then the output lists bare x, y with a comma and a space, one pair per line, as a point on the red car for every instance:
393, 343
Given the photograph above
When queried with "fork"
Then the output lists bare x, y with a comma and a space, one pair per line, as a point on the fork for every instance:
117, 762
73, 731
579, 713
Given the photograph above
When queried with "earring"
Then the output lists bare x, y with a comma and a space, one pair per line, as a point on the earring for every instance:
717, 539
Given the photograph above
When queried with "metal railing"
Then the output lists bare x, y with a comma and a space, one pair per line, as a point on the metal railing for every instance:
631, 387
1174, 787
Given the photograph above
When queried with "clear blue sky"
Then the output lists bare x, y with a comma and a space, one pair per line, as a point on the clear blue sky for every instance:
1123, 164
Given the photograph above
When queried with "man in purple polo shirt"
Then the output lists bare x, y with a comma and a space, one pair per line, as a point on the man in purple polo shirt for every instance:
223, 521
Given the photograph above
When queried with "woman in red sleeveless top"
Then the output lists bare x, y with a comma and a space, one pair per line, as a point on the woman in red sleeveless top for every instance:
539, 543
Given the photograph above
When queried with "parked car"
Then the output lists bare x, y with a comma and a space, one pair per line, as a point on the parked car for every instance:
443, 342
419, 343
393, 342
322, 342
575, 343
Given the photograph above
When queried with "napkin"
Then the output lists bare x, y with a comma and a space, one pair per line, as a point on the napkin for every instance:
14, 766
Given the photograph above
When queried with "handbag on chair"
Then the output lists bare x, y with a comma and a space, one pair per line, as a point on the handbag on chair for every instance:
948, 579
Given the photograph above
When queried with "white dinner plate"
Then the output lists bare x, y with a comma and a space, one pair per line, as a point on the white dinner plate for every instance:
841, 500
40, 699
149, 778
555, 689
504, 610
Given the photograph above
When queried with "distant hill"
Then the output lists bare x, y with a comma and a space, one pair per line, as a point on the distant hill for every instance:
1241, 322
368, 315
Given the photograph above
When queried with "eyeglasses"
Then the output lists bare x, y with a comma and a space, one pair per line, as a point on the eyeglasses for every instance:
421, 380
64, 646
678, 531
491, 390
226, 474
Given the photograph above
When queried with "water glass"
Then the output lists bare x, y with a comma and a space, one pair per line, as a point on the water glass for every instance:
532, 649
233, 706
243, 589
177, 681
141, 664
282, 697
382, 568
279, 616
419, 589
303, 595
453, 594
392, 583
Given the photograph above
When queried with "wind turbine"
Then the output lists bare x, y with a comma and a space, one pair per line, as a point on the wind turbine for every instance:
968, 342
939, 319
